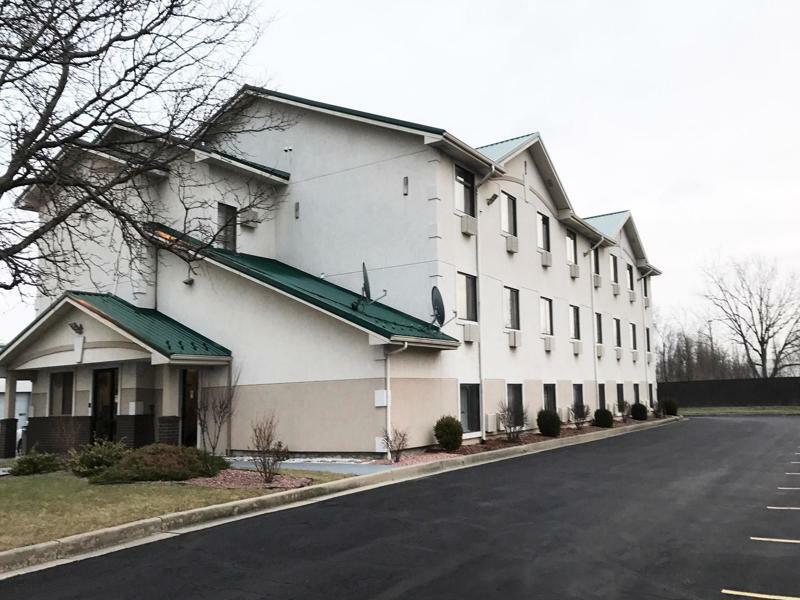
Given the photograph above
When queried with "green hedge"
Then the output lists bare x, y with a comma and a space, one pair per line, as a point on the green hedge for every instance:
449, 433
161, 462
603, 418
549, 423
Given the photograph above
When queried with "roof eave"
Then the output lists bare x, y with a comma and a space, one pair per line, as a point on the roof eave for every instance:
450, 344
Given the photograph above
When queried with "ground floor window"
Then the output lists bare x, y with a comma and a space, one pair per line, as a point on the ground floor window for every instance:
514, 399
61, 393
550, 396
601, 395
636, 398
621, 397
470, 407
577, 395
650, 394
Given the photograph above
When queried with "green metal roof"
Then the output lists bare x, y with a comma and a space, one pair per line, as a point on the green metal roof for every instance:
157, 330
609, 224
500, 150
375, 317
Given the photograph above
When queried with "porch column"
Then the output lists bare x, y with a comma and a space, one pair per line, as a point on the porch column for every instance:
169, 421
8, 424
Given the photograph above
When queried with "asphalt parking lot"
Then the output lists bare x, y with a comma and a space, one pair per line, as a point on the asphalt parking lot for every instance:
669, 513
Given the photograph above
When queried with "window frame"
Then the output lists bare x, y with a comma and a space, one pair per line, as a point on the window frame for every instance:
548, 303
617, 333
508, 212
577, 394
621, 396
601, 395
517, 411
634, 337
468, 178
466, 291
543, 232
549, 387
511, 308
598, 328
637, 398
227, 234
614, 268
66, 391
574, 322
572, 248
631, 277
646, 286
596, 260
647, 339
470, 388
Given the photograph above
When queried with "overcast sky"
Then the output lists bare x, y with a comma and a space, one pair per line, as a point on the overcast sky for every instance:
684, 112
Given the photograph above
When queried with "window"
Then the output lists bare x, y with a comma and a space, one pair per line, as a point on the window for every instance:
636, 398
572, 248
598, 328
543, 223
574, 322
467, 297
470, 407
634, 342
647, 338
508, 214
546, 316
617, 333
596, 260
577, 394
226, 224
61, 393
511, 303
465, 191
601, 395
514, 399
550, 396
646, 286
621, 397
614, 268
630, 277
650, 394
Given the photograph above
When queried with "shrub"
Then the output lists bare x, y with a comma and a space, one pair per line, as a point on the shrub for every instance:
670, 408
395, 443
512, 420
448, 432
639, 411
269, 451
93, 459
549, 423
161, 462
603, 418
580, 414
34, 463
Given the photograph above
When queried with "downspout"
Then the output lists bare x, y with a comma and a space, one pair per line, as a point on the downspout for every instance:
229, 428
593, 317
644, 336
388, 376
478, 299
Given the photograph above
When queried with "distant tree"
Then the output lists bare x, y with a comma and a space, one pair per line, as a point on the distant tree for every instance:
760, 307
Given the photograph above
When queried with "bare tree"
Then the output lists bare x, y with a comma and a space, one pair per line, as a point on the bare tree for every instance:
215, 408
268, 450
101, 102
395, 443
580, 414
760, 307
513, 420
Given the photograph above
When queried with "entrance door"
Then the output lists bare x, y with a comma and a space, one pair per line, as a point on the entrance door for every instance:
104, 404
189, 388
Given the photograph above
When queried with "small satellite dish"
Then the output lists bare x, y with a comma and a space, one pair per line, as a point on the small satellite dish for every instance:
365, 287
438, 306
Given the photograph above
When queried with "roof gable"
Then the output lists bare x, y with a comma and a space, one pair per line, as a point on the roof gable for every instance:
499, 152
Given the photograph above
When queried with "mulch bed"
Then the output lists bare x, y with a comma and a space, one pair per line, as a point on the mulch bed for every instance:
241, 478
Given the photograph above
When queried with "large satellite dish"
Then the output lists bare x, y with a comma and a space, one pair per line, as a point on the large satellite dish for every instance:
365, 287
438, 306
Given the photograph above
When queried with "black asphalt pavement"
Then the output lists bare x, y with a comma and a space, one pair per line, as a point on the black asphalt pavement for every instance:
661, 514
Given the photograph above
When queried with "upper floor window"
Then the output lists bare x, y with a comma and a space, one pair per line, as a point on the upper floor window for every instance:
598, 328
543, 233
634, 342
614, 268
617, 333
574, 322
61, 393
546, 315
226, 225
508, 214
467, 297
630, 278
465, 191
596, 260
646, 286
572, 248
511, 302
647, 338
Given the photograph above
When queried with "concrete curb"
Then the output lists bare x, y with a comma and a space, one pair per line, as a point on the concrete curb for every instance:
82, 543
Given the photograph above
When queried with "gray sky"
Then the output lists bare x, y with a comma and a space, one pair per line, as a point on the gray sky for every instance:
684, 112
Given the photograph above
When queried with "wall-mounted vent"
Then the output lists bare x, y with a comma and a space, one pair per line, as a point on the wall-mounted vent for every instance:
249, 218
647, 302
469, 225
574, 271
514, 339
619, 353
597, 280
635, 355
615, 289
547, 258
599, 350
549, 343
472, 332
577, 347
512, 244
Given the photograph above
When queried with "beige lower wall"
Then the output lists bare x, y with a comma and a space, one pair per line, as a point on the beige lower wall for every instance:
418, 403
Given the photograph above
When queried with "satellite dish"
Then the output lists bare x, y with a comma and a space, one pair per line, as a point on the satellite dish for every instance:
438, 306
365, 287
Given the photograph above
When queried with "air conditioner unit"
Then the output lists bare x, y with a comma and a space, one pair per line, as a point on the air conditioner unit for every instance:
469, 225
619, 353
249, 219
563, 414
491, 422
631, 295
514, 339
615, 289
512, 244
599, 350
597, 280
549, 343
649, 357
577, 346
547, 258
472, 332
647, 302
574, 271
635, 355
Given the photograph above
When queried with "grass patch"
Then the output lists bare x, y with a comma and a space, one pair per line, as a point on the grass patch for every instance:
39, 508
741, 410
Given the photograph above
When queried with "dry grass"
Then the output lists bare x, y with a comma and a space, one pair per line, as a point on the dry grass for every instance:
39, 508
